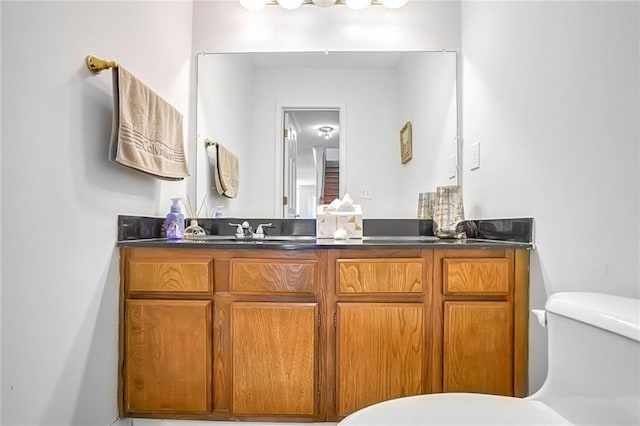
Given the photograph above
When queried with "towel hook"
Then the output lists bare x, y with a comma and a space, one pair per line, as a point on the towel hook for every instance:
97, 65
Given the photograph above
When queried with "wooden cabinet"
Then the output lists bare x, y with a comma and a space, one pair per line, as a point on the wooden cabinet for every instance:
314, 335
478, 348
380, 353
274, 358
380, 305
480, 321
168, 356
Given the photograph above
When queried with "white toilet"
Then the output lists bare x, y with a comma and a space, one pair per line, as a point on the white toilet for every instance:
593, 376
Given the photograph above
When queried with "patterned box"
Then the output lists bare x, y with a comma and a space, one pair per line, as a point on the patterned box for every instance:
327, 222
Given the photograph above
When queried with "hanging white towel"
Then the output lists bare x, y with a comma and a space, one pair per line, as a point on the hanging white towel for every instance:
147, 133
225, 169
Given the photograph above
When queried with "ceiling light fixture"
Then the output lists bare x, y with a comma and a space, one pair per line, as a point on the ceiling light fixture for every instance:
256, 5
326, 132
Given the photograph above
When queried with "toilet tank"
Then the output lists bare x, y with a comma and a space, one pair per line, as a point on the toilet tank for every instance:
593, 374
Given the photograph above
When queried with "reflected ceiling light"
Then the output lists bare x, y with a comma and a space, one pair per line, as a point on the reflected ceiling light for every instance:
255, 5
324, 3
326, 132
290, 4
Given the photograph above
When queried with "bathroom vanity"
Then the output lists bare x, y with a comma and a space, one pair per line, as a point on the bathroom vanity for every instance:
313, 332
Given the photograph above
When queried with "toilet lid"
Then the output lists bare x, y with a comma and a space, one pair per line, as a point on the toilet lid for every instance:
455, 409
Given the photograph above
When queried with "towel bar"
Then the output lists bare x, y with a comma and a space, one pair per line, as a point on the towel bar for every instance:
97, 65
208, 143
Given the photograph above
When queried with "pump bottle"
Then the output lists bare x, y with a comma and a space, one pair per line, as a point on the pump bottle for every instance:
175, 221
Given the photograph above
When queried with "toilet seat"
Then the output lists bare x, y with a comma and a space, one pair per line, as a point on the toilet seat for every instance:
455, 409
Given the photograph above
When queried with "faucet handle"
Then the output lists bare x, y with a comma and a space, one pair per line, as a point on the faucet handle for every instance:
239, 230
260, 233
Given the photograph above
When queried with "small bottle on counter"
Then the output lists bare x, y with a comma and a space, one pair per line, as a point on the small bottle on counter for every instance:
174, 223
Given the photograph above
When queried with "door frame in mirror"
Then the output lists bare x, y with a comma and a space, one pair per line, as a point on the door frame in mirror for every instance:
281, 107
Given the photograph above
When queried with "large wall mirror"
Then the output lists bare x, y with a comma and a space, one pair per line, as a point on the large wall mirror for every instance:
309, 127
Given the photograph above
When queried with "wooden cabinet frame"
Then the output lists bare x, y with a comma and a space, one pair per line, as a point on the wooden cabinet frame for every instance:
299, 277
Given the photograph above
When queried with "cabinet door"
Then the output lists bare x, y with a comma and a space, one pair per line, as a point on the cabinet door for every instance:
168, 355
380, 353
274, 358
478, 347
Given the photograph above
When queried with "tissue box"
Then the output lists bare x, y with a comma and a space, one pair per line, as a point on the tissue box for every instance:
327, 222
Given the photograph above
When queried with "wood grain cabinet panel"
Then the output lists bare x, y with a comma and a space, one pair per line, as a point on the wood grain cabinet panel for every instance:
476, 276
380, 275
315, 335
295, 276
168, 356
478, 347
274, 358
170, 277
380, 353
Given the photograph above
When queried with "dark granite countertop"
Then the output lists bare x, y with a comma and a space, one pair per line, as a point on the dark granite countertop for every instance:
299, 234
306, 244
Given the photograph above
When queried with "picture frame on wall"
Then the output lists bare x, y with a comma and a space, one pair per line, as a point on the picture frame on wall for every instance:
406, 149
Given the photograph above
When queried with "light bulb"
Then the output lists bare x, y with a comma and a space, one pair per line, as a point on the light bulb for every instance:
253, 5
324, 3
290, 4
358, 4
394, 4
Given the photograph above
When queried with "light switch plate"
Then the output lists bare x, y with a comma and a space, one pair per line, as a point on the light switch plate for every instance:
365, 192
475, 156
453, 166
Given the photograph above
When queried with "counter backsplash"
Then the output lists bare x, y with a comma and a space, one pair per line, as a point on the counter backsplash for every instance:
512, 229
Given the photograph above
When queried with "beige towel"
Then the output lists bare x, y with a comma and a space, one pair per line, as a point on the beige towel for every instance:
147, 132
225, 169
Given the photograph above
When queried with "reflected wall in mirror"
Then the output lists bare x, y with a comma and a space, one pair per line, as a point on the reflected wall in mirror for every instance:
243, 98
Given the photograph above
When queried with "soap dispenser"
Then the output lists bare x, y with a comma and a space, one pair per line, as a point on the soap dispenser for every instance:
175, 221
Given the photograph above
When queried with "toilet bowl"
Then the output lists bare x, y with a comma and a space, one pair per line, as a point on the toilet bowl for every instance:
593, 375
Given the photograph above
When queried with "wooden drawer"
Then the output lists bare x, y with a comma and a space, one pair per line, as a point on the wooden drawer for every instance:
269, 276
487, 276
379, 275
171, 277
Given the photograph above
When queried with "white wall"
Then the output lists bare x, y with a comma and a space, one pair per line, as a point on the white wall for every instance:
428, 101
242, 113
60, 196
551, 92
225, 91
370, 125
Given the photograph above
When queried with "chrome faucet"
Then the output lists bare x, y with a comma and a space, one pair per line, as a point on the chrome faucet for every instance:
245, 231
260, 231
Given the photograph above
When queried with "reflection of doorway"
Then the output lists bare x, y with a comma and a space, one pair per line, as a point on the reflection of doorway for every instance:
311, 159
